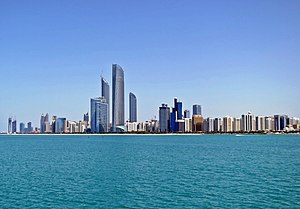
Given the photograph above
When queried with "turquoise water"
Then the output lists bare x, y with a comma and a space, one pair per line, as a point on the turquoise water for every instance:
150, 171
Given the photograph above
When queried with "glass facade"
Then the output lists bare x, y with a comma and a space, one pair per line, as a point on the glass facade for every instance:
164, 118
99, 115
60, 125
197, 109
105, 94
132, 108
117, 97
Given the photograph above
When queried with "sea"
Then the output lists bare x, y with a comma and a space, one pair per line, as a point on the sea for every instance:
150, 171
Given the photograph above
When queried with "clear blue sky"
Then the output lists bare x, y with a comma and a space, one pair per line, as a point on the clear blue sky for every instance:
229, 56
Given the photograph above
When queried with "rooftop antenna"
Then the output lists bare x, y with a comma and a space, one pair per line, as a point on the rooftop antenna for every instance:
101, 74
101, 77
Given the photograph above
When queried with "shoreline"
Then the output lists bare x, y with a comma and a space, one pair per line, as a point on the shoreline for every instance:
149, 134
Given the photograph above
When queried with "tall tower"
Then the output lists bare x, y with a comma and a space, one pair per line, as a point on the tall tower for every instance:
9, 128
105, 94
164, 118
132, 108
247, 122
14, 126
42, 124
99, 115
117, 97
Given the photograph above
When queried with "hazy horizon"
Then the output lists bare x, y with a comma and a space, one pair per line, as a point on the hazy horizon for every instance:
228, 56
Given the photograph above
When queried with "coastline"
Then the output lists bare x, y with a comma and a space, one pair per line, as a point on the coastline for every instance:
150, 134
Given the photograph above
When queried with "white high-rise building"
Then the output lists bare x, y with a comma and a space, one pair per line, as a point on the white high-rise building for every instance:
210, 124
236, 124
227, 124
188, 125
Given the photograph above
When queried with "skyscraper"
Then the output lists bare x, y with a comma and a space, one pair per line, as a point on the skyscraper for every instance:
29, 127
86, 118
179, 110
44, 123
218, 124
187, 114
105, 95
164, 118
22, 128
117, 97
60, 125
176, 116
14, 126
99, 115
227, 124
197, 109
9, 128
260, 123
247, 122
132, 108
280, 122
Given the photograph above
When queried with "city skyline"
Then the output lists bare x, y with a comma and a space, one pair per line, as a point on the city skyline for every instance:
231, 57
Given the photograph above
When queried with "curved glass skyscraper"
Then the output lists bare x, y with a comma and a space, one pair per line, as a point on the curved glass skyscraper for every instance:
117, 97
105, 94
132, 108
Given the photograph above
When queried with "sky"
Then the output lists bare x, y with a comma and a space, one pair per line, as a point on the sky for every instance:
230, 56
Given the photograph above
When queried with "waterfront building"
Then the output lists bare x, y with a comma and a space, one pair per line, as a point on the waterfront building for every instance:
132, 126
247, 122
205, 125
173, 125
187, 125
218, 125
132, 108
140, 127
293, 121
44, 123
86, 119
269, 124
236, 124
14, 126
22, 128
72, 127
9, 128
164, 118
227, 124
197, 123
117, 98
210, 124
280, 122
150, 126
53, 124
82, 126
260, 123
99, 115
180, 125
176, 115
29, 127
60, 125
179, 110
186, 114
105, 95
197, 109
